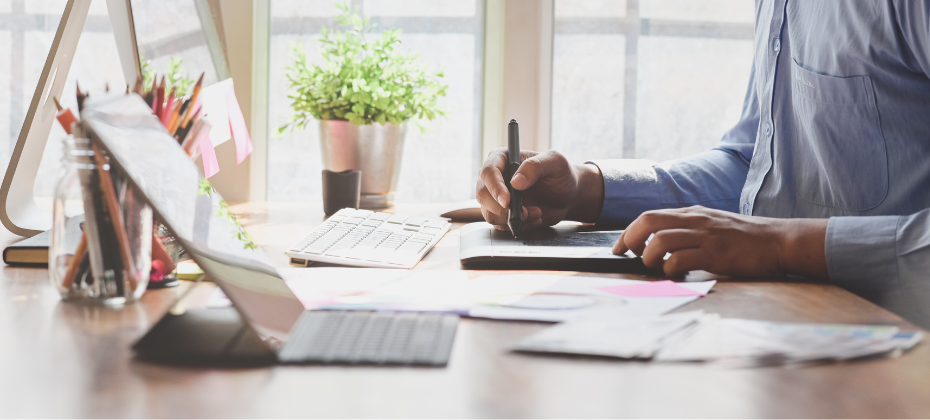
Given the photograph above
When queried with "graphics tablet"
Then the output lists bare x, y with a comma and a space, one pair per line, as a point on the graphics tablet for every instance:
566, 246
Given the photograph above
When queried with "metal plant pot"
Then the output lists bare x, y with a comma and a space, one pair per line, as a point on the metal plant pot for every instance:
374, 149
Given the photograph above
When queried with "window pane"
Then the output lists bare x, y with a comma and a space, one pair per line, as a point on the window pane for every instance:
95, 65
463, 8
590, 8
672, 95
7, 141
171, 29
18, 76
699, 10
587, 95
690, 92
438, 165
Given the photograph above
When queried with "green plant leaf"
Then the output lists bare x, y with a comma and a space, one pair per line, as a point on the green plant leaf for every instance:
362, 79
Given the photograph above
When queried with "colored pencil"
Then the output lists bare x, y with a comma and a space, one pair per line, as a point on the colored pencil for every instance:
194, 97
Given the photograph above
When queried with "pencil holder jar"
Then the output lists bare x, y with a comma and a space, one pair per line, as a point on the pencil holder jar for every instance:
100, 248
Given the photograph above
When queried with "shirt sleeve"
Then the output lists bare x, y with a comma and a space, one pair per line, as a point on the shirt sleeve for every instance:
885, 259
712, 179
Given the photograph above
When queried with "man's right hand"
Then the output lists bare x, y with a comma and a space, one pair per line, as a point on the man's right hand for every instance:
553, 189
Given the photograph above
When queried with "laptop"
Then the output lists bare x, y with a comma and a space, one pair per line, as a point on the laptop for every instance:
141, 149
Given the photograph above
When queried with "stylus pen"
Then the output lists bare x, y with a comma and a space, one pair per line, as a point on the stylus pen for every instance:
513, 163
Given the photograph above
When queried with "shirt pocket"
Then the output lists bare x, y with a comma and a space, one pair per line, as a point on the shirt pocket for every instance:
841, 161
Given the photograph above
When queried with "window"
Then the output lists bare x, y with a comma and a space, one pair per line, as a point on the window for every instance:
439, 165
652, 79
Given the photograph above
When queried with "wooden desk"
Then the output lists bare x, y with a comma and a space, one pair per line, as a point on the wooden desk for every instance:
65, 360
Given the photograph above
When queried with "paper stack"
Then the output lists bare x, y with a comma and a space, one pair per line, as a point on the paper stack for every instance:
700, 337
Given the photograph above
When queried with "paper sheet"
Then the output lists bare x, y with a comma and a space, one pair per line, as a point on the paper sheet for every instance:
214, 101
651, 289
606, 333
491, 296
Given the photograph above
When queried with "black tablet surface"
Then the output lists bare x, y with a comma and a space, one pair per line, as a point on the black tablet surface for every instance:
570, 247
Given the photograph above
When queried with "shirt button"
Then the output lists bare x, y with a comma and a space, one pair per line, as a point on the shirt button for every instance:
746, 208
776, 45
767, 129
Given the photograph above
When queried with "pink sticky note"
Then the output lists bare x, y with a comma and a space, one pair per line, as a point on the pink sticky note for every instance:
652, 289
240, 132
210, 164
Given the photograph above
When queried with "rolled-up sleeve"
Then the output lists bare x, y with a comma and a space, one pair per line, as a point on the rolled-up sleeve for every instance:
712, 179
885, 259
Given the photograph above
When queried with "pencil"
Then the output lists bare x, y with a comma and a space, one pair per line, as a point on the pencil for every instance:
194, 97
175, 124
175, 118
160, 98
150, 95
183, 132
169, 108
116, 216
80, 97
191, 135
75, 262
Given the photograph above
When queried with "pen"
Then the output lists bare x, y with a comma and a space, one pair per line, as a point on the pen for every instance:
515, 221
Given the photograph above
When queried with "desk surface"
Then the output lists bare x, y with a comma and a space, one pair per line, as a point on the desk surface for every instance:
66, 360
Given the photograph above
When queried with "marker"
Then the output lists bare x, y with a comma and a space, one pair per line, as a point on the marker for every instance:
515, 221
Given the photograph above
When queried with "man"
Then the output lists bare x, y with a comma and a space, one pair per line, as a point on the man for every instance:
826, 175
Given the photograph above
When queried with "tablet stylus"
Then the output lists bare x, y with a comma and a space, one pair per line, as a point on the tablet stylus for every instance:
515, 221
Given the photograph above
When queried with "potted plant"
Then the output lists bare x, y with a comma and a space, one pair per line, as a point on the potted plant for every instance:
363, 94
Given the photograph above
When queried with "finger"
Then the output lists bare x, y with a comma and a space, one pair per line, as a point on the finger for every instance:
636, 235
532, 213
619, 247
491, 175
685, 260
494, 219
536, 167
489, 203
532, 224
666, 241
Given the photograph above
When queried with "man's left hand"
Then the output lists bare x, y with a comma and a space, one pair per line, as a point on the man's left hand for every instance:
726, 243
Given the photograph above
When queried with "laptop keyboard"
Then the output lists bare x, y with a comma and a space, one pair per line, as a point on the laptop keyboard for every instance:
369, 239
348, 337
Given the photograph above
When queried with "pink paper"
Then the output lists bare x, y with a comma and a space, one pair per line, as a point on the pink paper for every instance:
240, 132
210, 165
662, 288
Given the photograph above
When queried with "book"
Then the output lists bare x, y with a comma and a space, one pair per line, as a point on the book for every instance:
29, 252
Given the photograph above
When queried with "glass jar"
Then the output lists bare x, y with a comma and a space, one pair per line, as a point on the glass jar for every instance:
100, 248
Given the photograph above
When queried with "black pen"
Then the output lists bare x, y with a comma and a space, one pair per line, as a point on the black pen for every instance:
515, 221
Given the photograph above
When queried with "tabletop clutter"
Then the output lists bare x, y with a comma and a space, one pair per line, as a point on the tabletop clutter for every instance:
697, 336
105, 246
597, 316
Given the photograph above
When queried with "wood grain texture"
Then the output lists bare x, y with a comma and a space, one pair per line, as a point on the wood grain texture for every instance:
60, 359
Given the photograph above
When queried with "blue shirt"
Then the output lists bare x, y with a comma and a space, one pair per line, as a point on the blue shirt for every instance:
835, 124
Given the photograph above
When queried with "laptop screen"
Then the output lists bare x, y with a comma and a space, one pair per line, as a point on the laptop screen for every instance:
141, 149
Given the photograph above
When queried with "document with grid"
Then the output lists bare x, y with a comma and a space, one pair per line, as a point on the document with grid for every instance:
364, 238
